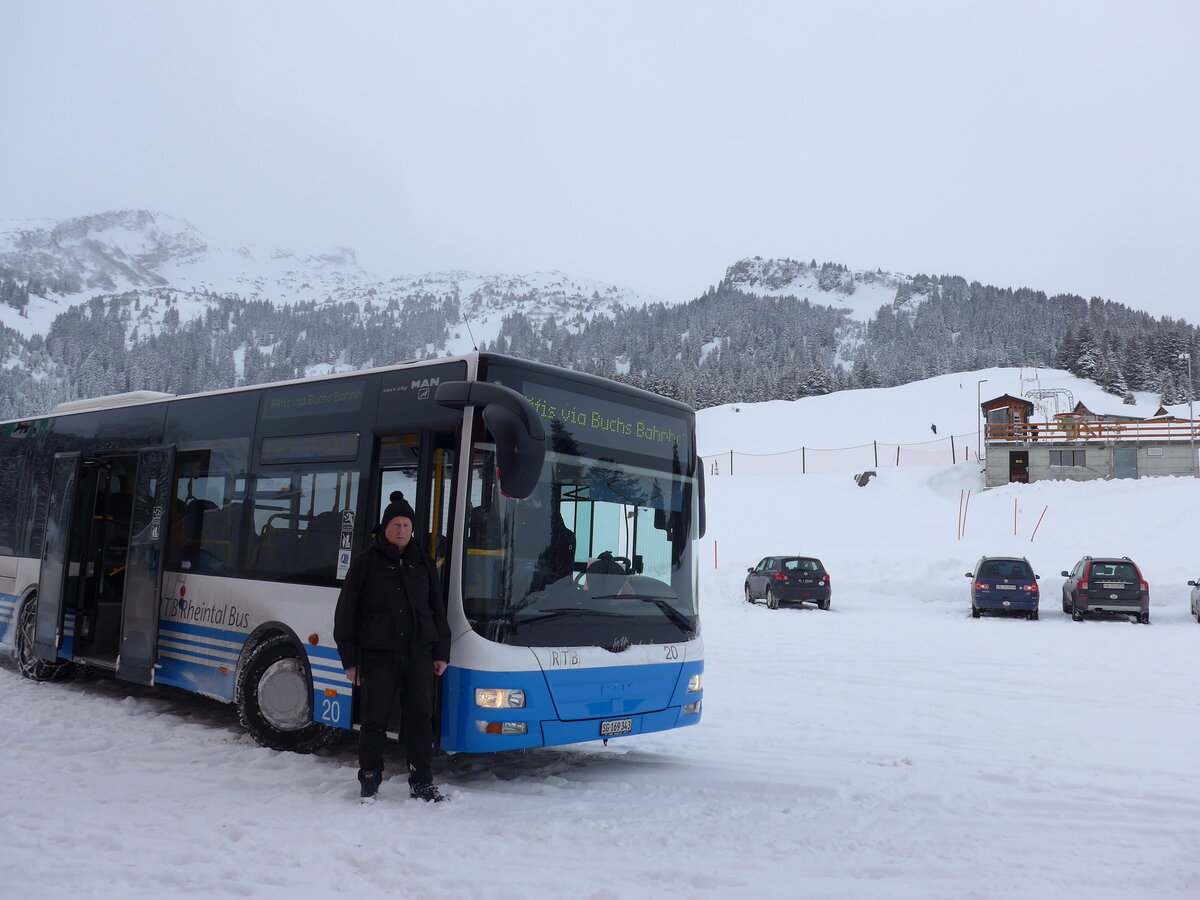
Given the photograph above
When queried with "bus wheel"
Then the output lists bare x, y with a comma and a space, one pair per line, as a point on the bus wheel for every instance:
274, 698
27, 661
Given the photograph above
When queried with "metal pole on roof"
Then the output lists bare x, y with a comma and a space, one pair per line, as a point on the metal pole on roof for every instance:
1191, 415
979, 414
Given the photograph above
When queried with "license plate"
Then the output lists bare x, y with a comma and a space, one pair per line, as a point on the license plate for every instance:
616, 726
1006, 587
1113, 587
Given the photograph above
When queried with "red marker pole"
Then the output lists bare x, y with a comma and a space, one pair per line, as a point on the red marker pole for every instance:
1038, 525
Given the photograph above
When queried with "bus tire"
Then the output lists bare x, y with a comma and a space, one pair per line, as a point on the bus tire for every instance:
274, 698
27, 660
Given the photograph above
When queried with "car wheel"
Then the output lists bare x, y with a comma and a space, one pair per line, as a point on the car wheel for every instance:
1033, 616
772, 600
749, 596
824, 604
974, 611
1076, 613
274, 698
1144, 618
1066, 605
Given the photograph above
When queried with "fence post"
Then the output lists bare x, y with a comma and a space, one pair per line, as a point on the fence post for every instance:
730, 462
897, 456
876, 443
952, 459
803, 461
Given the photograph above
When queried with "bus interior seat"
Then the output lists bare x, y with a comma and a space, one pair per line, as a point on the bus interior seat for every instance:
220, 531
319, 542
280, 551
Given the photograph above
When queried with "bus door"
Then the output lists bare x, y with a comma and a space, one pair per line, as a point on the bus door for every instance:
56, 565
421, 465
146, 540
94, 544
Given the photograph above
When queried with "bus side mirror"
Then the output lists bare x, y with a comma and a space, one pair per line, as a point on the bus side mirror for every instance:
515, 425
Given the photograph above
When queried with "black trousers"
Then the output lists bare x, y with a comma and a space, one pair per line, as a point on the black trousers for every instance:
383, 682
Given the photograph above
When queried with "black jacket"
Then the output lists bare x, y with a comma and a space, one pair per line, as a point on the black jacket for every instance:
390, 604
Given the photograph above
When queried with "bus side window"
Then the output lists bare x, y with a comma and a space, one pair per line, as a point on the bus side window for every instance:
206, 515
298, 519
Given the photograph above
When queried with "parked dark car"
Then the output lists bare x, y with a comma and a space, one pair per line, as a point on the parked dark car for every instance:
1006, 585
1195, 586
788, 579
1112, 585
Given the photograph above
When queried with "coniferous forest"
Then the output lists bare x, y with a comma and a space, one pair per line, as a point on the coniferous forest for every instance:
724, 346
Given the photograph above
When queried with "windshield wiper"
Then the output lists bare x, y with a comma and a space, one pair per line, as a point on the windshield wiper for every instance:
661, 602
543, 615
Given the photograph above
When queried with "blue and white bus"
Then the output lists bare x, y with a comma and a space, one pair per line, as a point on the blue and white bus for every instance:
200, 542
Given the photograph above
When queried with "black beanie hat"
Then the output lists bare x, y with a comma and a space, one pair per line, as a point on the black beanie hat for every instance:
398, 507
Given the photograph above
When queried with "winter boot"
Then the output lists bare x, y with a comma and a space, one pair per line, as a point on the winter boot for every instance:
369, 782
426, 792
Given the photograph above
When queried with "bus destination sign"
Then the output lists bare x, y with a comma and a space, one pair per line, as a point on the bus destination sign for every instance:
605, 423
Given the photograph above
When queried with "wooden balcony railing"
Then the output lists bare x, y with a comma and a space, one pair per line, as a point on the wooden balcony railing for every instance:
1093, 431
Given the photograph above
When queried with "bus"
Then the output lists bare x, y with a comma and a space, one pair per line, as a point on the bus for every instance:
200, 542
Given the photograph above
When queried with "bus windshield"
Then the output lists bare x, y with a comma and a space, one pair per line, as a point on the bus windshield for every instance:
598, 555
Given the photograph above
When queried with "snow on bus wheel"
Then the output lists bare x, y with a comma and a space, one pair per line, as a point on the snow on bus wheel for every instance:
274, 698
27, 660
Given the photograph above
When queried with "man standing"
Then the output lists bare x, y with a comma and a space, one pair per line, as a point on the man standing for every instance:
392, 636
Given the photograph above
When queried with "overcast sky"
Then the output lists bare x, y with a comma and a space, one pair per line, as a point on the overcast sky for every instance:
1043, 144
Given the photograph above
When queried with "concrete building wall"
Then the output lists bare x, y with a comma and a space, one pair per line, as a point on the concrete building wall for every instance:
1153, 460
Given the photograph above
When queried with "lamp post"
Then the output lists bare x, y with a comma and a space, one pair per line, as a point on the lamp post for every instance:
979, 413
1191, 416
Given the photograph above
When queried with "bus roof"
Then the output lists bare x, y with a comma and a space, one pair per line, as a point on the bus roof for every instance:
472, 359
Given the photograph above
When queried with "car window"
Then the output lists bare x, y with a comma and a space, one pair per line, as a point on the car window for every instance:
1001, 568
762, 565
800, 565
1116, 571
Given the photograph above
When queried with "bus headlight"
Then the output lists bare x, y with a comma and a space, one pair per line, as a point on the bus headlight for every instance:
691, 709
500, 698
695, 683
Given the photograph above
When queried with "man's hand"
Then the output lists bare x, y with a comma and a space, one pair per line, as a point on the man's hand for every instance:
438, 667
352, 674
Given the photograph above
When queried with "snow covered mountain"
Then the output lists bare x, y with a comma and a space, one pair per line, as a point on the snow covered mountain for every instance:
113, 301
57, 265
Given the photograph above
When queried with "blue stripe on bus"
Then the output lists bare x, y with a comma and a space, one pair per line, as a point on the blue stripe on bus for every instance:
342, 686
231, 651
219, 660
220, 634
323, 652
318, 667
201, 672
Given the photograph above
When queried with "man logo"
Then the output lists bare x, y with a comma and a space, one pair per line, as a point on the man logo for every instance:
424, 387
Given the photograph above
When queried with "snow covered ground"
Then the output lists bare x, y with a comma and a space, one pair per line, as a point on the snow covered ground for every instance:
891, 747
